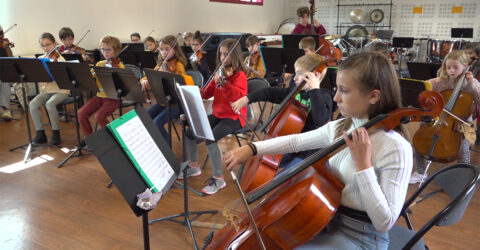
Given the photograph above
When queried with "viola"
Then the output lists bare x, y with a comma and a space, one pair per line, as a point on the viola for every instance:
308, 195
224, 73
288, 119
440, 141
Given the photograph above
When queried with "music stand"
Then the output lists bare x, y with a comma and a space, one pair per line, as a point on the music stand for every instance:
402, 42
133, 46
423, 71
73, 57
292, 40
411, 89
24, 70
461, 32
141, 59
121, 84
73, 75
119, 167
280, 59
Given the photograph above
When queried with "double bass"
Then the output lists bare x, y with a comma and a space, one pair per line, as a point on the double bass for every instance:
288, 119
308, 195
440, 140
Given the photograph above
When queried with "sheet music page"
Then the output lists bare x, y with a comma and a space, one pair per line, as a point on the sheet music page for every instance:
195, 111
145, 152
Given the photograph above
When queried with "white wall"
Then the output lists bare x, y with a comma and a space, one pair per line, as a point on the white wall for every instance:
436, 19
122, 17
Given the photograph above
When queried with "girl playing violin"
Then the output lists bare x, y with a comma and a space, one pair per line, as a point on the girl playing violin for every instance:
318, 101
254, 62
199, 62
374, 168
100, 104
175, 63
223, 119
5, 43
452, 68
67, 37
150, 44
473, 53
50, 95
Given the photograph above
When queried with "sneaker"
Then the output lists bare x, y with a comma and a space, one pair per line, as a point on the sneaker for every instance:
213, 185
191, 171
7, 115
417, 178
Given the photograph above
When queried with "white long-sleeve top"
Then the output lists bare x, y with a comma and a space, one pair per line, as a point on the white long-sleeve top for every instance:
380, 190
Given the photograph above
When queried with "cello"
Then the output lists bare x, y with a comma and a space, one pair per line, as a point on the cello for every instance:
440, 140
288, 119
308, 195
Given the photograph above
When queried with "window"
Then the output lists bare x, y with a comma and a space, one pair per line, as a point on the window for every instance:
252, 2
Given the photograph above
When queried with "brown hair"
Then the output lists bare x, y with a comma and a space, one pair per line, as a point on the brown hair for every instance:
252, 40
198, 36
457, 55
303, 11
65, 32
112, 41
48, 36
149, 39
187, 34
170, 40
309, 62
135, 34
473, 46
373, 72
307, 43
235, 57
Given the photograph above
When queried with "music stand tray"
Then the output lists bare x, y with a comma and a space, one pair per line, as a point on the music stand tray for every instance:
280, 59
291, 41
118, 83
402, 42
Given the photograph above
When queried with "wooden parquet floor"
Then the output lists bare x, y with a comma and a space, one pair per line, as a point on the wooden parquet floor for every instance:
45, 207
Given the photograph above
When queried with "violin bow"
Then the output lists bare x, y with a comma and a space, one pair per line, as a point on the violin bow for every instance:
9, 28
81, 38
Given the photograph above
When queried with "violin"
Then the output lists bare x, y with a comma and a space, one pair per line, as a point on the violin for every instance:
196, 57
440, 141
113, 62
224, 73
253, 60
5, 41
308, 195
170, 66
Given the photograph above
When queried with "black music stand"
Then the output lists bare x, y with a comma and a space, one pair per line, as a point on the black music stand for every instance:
411, 89
24, 70
186, 214
461, 32
291, 41
73, 75
119, 167
73, 57
121, 84
163, 89
423, 71
141, 59
280, 60
133, 46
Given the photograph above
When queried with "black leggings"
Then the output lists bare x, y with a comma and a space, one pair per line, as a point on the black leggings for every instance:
220, 128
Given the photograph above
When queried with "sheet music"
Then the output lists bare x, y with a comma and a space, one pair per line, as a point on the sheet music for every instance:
195, 111
145, 152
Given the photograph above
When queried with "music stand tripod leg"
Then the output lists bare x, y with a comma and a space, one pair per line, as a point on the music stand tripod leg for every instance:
30, 144
186, 213
77, 152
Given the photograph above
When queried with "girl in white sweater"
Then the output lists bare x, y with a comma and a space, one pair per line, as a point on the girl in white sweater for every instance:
375, 168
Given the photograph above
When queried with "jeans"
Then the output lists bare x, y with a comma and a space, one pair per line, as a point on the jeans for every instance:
50, 100
344, 232
160, 117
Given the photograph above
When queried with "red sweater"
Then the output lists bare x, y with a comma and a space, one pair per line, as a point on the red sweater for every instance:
235, 89
306, 30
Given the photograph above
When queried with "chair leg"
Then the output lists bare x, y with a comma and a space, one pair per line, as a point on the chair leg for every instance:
175, 129
238, 140
205, 162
